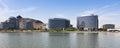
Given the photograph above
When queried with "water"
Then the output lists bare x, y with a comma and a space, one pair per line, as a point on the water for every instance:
59, 40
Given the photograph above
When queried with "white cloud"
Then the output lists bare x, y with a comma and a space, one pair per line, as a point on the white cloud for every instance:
28, 9
97, 11
105, 15
60, 16
88, 12
6, 12
110, 18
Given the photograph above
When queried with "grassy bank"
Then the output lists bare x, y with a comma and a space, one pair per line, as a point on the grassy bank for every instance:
53, 31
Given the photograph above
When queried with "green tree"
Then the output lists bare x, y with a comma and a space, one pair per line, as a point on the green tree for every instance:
102, 29
81, 29
70, 29
56, 29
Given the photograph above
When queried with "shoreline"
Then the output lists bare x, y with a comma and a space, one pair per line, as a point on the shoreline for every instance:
32, 31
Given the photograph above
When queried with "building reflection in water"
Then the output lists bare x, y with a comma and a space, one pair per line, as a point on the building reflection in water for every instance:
87, 40
28, 40
73, 40
3, 40
59, 40
44, 40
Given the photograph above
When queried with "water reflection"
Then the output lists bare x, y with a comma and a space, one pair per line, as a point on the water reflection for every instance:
28, 40
3, 40
44, 40
58, 34
88, 40
73, 40
109, 40
59, 40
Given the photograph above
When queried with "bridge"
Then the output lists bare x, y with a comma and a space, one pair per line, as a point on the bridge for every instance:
113, 30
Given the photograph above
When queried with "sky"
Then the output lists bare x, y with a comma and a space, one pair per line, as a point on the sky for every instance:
107, 10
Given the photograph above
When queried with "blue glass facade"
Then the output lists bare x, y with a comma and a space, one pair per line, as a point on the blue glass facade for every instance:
28, 25
1, 25
12, 23
88, 22
59, 23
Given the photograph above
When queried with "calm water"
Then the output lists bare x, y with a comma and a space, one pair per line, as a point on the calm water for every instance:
59, 40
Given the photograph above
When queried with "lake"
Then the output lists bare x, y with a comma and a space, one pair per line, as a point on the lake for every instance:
59, 40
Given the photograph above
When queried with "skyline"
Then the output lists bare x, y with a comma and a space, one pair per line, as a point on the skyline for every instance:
107, 10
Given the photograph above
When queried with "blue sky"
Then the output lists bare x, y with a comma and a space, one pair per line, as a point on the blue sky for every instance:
107, 10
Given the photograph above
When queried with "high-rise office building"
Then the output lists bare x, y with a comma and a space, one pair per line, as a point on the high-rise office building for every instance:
59, 23
87, 22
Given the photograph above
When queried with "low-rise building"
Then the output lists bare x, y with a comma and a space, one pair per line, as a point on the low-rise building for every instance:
108, 26
11, 23
22, 23
36, 24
